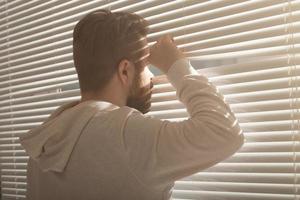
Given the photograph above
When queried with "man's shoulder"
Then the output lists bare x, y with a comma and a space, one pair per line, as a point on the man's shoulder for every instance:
117, 113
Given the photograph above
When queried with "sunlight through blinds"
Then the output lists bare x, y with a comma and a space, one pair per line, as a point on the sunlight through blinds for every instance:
262, 37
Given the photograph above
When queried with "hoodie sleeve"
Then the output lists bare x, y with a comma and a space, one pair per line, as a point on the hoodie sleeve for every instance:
160, 152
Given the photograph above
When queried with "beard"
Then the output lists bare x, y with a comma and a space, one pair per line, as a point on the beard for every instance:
140, 97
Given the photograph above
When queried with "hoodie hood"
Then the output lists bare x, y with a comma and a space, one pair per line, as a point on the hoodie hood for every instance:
51, 143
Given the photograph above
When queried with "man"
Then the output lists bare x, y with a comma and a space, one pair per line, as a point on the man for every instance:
102, 146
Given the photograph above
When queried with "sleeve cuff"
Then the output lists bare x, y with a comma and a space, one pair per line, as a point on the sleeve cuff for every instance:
178, 70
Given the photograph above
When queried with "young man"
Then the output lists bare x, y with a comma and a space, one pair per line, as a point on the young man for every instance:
102, 146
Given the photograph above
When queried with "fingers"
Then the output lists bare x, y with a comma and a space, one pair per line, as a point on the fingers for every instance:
164, 38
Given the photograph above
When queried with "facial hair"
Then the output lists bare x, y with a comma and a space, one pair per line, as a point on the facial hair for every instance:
140, 97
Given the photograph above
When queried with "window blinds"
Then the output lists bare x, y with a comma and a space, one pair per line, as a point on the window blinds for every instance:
262, 36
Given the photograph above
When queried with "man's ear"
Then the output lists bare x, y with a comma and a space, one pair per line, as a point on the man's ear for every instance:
126, 72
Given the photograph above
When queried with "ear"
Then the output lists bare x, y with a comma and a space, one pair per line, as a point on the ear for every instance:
126, 72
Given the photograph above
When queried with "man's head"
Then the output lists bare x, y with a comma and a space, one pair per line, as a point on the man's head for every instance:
112, 49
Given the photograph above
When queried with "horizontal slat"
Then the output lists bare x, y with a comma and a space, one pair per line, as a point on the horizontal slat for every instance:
271, 147
267, 74
237, 187
272, 136
213, 195
25, 126
9, 140
12, 159
21, 172
13, 153
275, 157
12, 191
13, 196
280, 178
27, 119
256, 167
14, 166
8, 183
11, 146
15, 178
11, 133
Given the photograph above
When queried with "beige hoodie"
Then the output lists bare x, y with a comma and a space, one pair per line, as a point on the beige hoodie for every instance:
97, 150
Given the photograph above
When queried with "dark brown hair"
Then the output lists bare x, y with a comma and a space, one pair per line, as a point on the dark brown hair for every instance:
101, 39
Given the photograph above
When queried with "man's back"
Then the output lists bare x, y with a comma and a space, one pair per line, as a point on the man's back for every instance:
97, 168
97, 150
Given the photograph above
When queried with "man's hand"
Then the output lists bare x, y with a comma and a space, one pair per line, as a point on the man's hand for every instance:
164, 53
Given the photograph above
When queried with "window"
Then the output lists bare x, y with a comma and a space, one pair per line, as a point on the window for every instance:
248, 49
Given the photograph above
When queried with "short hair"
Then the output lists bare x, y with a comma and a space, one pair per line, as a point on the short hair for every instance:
101, 40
